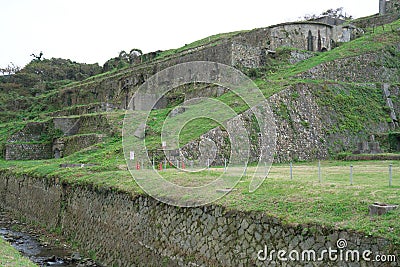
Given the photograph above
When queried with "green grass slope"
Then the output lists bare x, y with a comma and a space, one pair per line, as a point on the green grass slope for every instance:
10, 257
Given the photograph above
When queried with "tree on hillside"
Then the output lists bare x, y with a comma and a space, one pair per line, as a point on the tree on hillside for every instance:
337, 13
135, 55
334, 13
40, 76
123, 56
39, 57
123, 60
10, 69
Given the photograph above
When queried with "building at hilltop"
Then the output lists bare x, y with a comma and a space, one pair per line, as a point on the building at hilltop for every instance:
249, 49
310, 35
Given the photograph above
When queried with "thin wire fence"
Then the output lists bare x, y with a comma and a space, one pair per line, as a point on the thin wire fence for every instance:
376, 173
353, 173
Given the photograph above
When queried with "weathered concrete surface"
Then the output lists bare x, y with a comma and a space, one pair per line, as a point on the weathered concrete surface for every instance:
372, 67
28, 151
380, 208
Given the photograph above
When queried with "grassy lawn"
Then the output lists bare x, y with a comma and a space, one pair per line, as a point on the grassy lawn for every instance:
9, 257
333, 201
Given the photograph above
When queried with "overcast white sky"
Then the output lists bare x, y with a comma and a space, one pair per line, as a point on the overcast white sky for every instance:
93, 31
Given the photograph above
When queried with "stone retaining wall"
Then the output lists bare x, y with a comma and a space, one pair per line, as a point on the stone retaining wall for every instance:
66, 146
28, 151
245, 49
31, 132
372, 67
244, 55
123, 230
307, 128
375, 21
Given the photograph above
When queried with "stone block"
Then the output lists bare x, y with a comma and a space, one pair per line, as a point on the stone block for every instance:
69, 126
140, 131
28, 151
380, 208
176, 111
386, 90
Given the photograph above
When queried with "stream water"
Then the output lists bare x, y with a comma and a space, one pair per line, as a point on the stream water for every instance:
27, 240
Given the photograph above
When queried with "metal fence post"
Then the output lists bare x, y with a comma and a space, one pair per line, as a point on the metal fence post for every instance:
319, 171
291, 171
351, 174
224, 165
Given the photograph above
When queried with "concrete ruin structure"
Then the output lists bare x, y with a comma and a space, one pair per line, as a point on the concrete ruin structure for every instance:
243, 50
311, 35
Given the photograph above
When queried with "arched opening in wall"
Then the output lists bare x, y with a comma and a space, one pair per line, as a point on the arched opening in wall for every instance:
319, 42
310, 44
69, 99
333, 44
57, 153
324, 49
